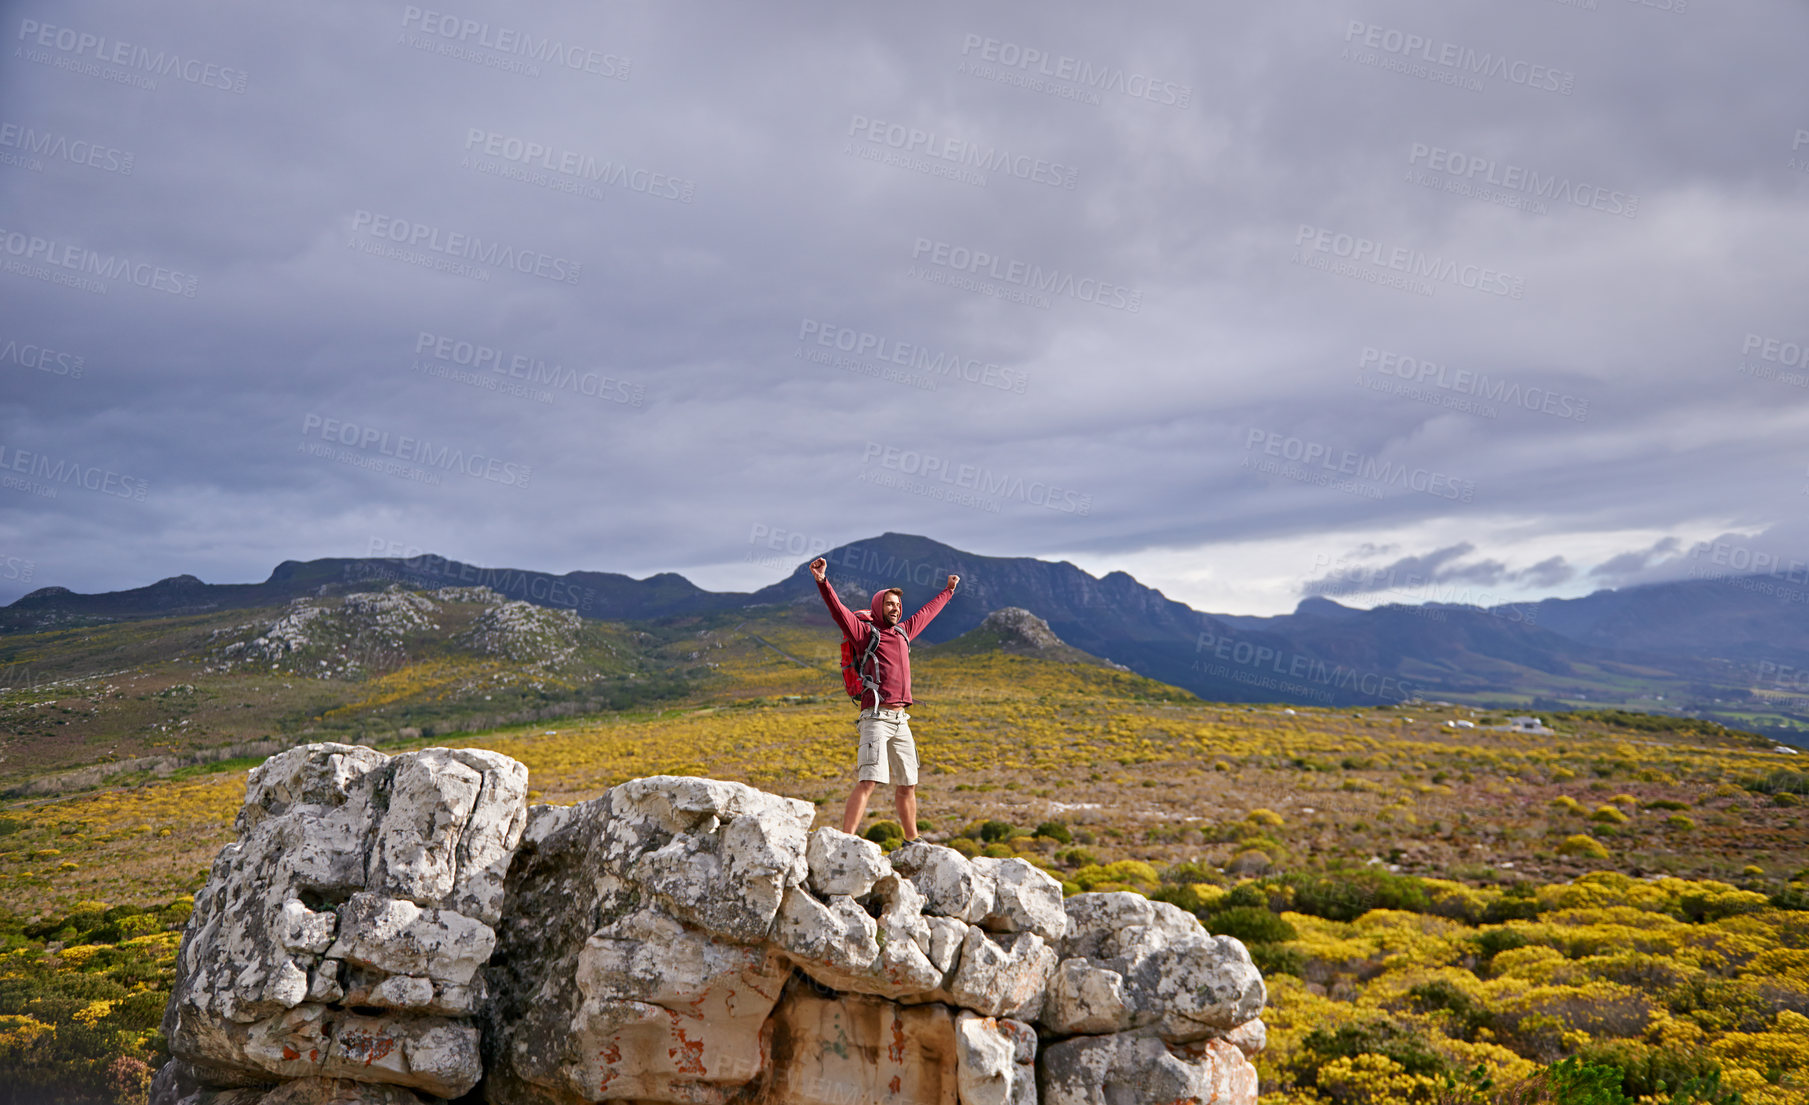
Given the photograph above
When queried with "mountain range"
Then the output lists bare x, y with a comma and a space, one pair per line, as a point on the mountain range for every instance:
1733, 648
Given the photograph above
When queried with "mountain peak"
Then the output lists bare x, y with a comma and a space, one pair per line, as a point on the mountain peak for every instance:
1318, 606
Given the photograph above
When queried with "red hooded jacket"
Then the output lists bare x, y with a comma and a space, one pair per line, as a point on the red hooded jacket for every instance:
892, 663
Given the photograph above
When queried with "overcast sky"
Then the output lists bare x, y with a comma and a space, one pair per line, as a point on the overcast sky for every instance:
1387, 300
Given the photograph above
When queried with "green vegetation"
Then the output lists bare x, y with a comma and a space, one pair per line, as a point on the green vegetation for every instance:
1437, 914
81, 998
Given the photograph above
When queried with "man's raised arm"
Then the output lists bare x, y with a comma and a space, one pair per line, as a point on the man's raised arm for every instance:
842, 615
915, 624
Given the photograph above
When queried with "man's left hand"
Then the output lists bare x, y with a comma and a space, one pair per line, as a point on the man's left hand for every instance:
952, 580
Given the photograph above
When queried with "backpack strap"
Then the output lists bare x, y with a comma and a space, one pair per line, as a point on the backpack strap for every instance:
870, 654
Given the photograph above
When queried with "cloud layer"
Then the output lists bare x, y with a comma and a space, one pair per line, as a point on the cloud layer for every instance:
1512, 290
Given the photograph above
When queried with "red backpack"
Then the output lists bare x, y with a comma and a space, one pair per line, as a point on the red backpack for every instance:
854, 674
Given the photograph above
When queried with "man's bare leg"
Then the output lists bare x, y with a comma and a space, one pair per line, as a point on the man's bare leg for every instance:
857, 805
905, 798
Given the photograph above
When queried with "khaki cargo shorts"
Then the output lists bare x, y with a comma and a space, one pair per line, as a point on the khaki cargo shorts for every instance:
888, 753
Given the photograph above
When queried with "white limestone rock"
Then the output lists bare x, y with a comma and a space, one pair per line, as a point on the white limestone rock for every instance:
345, 887
995, 1060
1026, 899
1250, 1038
1131, 963
950, 884
725, 854
842, 863
1002, 976
1109, 1070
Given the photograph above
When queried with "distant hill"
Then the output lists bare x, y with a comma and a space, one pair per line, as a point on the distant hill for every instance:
1018, 632
1733, 649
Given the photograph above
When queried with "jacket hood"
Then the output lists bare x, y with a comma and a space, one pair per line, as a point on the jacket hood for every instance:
877, 610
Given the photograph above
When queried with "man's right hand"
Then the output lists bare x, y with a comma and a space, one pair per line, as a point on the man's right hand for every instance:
819, 568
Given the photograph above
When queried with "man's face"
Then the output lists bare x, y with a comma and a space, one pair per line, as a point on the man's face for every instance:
891, 608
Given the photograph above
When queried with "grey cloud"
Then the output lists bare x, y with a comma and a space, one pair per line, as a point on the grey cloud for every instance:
1611, 395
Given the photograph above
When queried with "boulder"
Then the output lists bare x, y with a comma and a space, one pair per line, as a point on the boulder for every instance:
950, 884
995, 1060
1132, 964
358, 882
1002, 976
1108, 1070
1250, 1038
840, 945
841, 863
638, 958
402, 930
1025, 899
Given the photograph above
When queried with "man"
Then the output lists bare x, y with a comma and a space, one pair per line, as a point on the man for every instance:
887, 752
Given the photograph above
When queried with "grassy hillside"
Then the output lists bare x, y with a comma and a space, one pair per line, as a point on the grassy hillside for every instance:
1425, 900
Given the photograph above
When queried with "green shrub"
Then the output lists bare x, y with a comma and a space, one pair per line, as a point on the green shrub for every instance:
881, 831
1582, 846
1183, 874
1492, 942
1516, 903
1702, 908
1387, 1037
1791, 897
1667, 1074
1251, 924
1055, 830
1574, 1082
1276, 959
1468, 1016
991, 832
1344, 894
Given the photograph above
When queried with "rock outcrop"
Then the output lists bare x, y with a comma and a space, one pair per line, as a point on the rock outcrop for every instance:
407, 929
